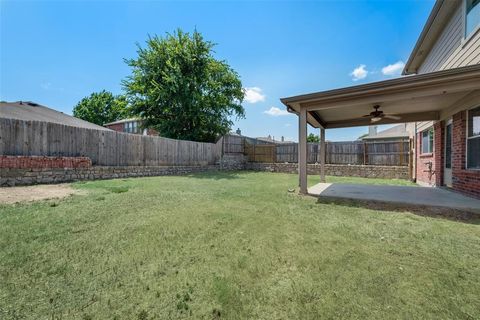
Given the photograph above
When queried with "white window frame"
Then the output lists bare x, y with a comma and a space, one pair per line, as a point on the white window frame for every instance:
467, 37
433, 142
467, 138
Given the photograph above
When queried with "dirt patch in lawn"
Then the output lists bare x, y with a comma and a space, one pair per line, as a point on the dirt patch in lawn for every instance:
10, 195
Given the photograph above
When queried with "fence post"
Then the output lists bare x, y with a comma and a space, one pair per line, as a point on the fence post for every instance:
364, 153
401, 152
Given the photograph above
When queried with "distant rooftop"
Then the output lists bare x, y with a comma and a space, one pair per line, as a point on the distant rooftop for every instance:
31, 111
273, 140
122, 121
398, 131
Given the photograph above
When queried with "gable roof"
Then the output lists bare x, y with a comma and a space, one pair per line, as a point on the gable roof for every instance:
398, 131
122, 121
31, 111
436, 22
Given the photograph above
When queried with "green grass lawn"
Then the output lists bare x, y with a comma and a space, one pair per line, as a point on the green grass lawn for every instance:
230, 246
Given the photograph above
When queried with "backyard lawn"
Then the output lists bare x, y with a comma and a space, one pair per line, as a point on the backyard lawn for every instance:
230, 246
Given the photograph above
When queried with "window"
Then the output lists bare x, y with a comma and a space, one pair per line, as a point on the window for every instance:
473, 139
472, 16
427, 141
131, 127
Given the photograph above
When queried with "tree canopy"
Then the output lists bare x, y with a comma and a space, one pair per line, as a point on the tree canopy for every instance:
313, 138
180, 89
102, 107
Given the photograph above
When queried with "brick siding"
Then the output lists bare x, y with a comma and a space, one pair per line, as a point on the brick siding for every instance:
119, 128
115, 127
19, 162
463, 180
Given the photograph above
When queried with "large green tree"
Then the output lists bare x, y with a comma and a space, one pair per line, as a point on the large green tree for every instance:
180, 89
313, 138
102, 107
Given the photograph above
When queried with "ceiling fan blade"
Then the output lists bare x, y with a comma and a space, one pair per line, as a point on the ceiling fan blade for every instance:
366, 116
393, 117
375, 119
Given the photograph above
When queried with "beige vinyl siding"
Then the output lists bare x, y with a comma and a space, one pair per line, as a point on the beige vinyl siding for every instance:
451, 50
421, 126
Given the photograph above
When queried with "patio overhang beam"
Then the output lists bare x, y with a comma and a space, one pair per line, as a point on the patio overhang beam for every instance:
410, 117
414, 98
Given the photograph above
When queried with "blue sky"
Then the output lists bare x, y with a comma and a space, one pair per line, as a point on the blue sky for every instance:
57, 52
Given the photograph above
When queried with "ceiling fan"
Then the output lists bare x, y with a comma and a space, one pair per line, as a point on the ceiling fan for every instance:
378, 115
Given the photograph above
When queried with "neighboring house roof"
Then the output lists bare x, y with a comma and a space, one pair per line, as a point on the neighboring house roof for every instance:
270, 140
437, 20
122, 121
398, 131
30, 111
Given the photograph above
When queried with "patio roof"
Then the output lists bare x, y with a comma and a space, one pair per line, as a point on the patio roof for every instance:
420, 97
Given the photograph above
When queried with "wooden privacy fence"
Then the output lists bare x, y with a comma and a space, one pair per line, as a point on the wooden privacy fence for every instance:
260, 152
103, 147
394, 153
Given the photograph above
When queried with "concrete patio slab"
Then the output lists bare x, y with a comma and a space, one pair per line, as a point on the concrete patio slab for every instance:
423, 196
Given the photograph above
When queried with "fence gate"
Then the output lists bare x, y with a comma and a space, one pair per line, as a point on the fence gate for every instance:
261, 152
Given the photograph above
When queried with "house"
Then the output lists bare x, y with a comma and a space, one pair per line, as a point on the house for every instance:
400, 132
31, 111
132, 125
448, 149
440, 96
272, 140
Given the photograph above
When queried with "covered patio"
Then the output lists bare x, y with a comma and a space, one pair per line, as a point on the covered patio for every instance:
397, 195
424, 97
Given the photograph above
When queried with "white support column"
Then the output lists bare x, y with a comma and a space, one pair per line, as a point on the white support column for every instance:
322, 155
302, 147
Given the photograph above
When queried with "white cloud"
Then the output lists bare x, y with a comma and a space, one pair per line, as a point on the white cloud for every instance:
288, 125
393, 69
254, 95
276, 112
359, 72
46, 85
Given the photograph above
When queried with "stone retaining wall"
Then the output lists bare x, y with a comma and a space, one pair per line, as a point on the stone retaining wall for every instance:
16, 177
233, 161
364, 171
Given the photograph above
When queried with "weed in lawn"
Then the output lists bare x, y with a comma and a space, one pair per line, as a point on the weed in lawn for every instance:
118, 189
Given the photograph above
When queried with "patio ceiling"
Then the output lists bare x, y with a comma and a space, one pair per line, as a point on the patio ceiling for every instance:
414, 98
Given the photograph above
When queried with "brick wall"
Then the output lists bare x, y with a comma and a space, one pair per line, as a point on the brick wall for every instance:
365, 171
425, 169
463, 180
119, 128
425, 175
115, 127
44, 162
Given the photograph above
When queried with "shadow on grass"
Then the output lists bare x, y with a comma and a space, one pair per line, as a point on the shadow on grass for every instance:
425, 211
216, 175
